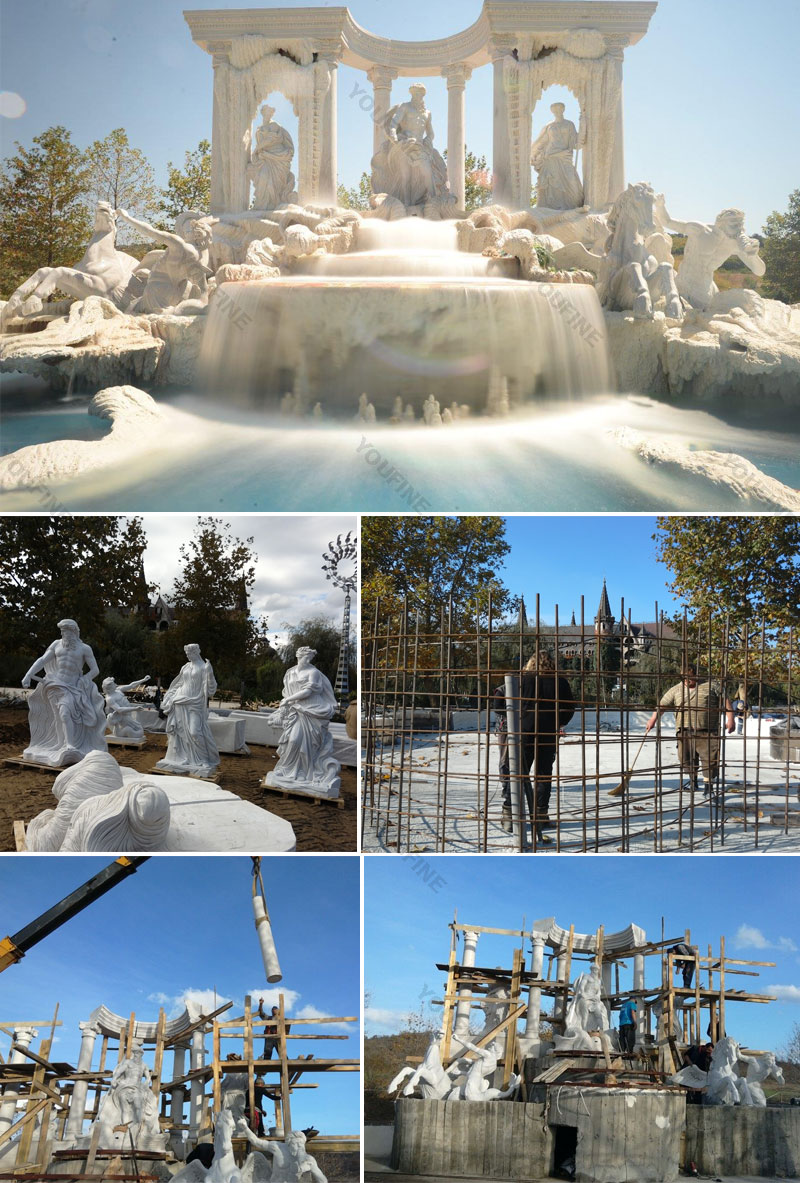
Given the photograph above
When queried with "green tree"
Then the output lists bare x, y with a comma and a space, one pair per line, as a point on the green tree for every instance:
780, 251
747, 569
478, 178
358, 198
429, 559
44, 217
55, 567
323, 634
122, 176
189, 187
211, 600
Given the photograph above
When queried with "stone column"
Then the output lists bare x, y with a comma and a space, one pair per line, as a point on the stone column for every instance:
198, 1061
457, 78
606, 971
381, 78
177, 1098
560, 1004
501, 151
230, 139
616, 180
77, 1106
638, 984
533, 1016
464, 1004
328, 172
8, 1106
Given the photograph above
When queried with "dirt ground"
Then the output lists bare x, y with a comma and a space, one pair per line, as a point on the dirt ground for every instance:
25, 792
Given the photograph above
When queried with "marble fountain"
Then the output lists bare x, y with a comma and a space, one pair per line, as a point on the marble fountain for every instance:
282, 352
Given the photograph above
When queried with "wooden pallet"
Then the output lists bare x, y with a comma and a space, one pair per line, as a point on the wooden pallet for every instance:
212, 780
18, 762
19, 837
337, 801
114, 741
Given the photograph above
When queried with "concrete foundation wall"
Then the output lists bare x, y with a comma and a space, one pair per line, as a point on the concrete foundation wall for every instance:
481, 1139
725, 1140
623, 1137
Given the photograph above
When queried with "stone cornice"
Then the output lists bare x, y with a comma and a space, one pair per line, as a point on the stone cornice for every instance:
332, 31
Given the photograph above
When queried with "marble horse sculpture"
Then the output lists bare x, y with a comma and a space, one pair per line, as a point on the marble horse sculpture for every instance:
191, 749
223, 1169
305, 753
432, 1080
66, 711
721, 1082
476, 1087
407, 167
102, 270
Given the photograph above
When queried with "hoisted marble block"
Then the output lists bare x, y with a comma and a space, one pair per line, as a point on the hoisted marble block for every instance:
191, 749
306, 763
66, 710
269, 953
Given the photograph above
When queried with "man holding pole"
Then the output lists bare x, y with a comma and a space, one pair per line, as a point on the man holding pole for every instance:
697, 706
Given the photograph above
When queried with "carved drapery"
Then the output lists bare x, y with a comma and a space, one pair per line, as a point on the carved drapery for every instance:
245, 73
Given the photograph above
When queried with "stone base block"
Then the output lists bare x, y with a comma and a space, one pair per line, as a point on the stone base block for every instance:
730, 1140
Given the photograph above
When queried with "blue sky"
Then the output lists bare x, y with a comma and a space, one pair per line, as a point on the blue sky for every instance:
185, 924
711, 92
750, 900
563, 558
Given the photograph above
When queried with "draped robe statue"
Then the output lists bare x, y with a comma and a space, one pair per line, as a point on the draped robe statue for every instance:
270, 164
552, 155
306, 761
407, 166
66, 712
191, 749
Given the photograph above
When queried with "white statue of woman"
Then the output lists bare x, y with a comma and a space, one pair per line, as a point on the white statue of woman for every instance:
558, 186
119, 711
191, 749
306, 761
270, 164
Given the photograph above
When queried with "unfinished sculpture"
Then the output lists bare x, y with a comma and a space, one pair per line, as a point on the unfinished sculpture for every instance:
635, 273
476, 1087
407, 167
552, 155
306, 762
290, 1159
102, 270
120, 712
432, 1080
191, 749
223, 1168
128, 1115
271, 163
721, 1082
586, 1013
176, 279
95, 775
707, 248
759, 1068
67, 718
135, 817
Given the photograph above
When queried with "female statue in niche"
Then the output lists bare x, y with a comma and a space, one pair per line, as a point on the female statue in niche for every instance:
305, 751
270, 164
558, 186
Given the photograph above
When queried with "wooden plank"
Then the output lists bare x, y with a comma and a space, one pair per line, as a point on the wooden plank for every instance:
114, 742
18, 762
284, 1066
447, 1013
511, 1037
212, 780
317, 798
19, 837
158, 1060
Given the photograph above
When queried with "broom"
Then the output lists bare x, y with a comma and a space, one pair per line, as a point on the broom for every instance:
623, 784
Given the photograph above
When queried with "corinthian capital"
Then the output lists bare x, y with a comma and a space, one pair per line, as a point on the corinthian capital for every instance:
382, 76
457, 74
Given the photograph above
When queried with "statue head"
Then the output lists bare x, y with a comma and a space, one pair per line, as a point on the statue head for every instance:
558, 110
418, 92
730, 222
69, 632
635, 205
266, 113
296, 1143
305, 654
191, 651
108, 685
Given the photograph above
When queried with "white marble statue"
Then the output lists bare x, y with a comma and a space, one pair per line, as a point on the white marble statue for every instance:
407, 167
432, 1080
67, 718
176, 279
119, 711
191, 749
133, 819
552, 155
95, 775
707, 248
586, 1013
130, 1103
759, 1068
634, 272
271, 163
721, 1082
223, 1169
101, 271
305, 753
291, 1162
476, 1087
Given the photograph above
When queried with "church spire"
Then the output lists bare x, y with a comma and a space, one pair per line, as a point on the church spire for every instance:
604, 620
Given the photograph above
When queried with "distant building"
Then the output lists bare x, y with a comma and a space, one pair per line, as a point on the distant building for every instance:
633, 638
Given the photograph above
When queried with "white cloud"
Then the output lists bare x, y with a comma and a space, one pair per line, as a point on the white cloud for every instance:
388, 1021
271, 994
309, 1011
748, 937
784, 993
205, 1000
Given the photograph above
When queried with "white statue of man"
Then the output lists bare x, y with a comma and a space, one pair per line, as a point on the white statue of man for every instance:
558, 186
119, 711
67, 718
191, 748
270, 164
751, 1091
291, 1162
407, 166
305, 753
476, 1087
174, 280
130, 1102
587, 1011
707, 248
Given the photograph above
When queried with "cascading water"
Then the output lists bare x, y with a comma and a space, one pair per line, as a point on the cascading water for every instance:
405, 315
